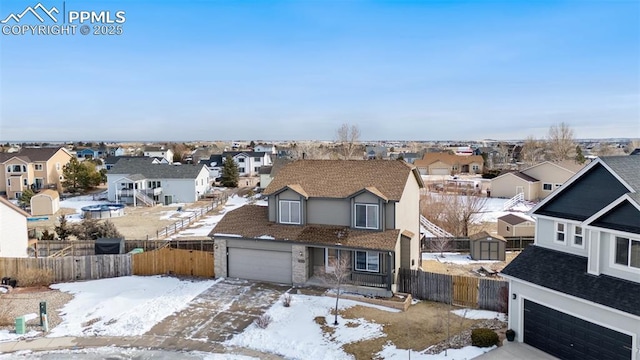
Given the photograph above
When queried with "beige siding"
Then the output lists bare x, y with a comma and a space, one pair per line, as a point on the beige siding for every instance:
505, 229
43, 204
52, 173
524, 229
548, 173
408, 218
505, 186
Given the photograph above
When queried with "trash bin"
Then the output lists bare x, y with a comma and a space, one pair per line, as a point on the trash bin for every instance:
20, 325
13, 283
5, 280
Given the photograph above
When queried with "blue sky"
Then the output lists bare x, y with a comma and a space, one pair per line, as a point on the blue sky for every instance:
407, 70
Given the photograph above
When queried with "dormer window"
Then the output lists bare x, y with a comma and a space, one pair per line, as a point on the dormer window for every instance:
289, 212
366, 216
627, 252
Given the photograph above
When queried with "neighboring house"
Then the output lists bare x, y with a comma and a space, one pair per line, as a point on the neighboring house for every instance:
268, 148
249, 162
449, 164
117, 151
319, 211
32, 168
516, 225
111, 161
214, 164
636, 151
536, 182
46, 202
267, 173
410, 157
375, 152
140, 181
159, 152
87, 153
14, 238
575, 292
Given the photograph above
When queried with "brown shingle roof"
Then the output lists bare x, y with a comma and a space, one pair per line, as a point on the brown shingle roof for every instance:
31, 154
512, 219
235, 223
342, 178
450, 159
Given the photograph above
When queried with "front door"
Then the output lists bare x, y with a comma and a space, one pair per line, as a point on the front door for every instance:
330, 260
168, 199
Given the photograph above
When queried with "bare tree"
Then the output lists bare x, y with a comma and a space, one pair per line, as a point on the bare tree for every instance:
561, 142
453, 213
532, 151
341, 269
503, 152
440, 244
605, 149
348, 138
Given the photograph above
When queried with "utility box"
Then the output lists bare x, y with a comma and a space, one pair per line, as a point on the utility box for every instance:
43, 311
20, 325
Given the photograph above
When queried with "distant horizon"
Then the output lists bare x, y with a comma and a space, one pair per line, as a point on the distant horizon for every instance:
299, 69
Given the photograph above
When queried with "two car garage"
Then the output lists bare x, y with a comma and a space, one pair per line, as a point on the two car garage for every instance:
569, 337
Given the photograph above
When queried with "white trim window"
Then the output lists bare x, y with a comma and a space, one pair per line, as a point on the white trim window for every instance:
289, 212
627, 252
58, 166
547, 187
578, 236
368, 261
366, 216
561, 232
37, 167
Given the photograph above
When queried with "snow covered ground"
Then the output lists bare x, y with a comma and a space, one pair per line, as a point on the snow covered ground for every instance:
294, 334
131, 306
454, 258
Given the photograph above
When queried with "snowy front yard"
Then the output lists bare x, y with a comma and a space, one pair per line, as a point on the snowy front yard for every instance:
133, 305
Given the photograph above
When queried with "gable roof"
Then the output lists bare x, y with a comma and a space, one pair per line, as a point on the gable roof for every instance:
513, 219
622, 174
33, 154
568, 165
567, 273
112, 160
154, 148
517, 174
146, 169
342, 178
216, 158
48, 192
483, 235
450, 159
11, 206
234, 223
248, 153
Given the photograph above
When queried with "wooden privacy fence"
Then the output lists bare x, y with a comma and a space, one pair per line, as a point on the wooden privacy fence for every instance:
516, 243
87, 247
464, 291
173, 261
69, 268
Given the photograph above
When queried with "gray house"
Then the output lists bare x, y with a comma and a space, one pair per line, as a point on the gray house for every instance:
576, 293
363, 215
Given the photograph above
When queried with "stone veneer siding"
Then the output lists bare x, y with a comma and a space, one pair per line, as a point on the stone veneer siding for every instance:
299, 264
220, 257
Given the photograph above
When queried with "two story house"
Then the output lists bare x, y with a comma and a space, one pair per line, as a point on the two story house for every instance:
576, 293
144, 181
249, 162
32, 168
440, 163
321, 211
159, 152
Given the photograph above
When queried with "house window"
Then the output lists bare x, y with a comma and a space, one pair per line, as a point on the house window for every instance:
25, 182
578, 238
38, 167
256, 168
241, 170
240, 160
627, 252
18, 168
558, 185
475, 167
508, 228
289, 212
367, 261
547, 187
256, 159
560, 232
8, 182
18, 195
367, 216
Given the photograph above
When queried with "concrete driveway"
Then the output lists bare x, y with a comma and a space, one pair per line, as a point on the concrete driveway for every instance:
222, 311
515, 350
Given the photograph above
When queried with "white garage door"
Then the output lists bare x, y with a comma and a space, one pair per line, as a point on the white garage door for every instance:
439, 171
262, 265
